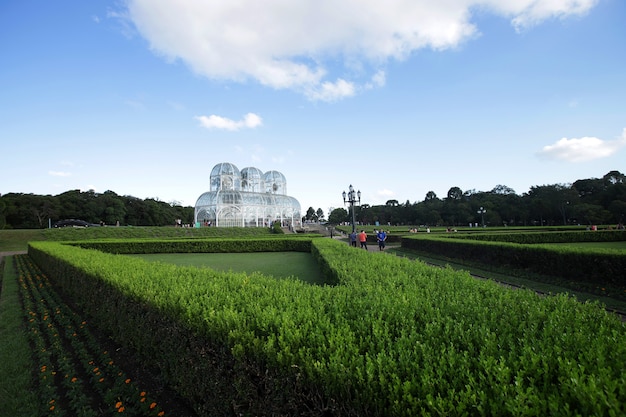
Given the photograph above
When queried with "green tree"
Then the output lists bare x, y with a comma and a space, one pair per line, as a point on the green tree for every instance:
430, 196
455, 193
310, 215
338, 216
3, 220
319, 214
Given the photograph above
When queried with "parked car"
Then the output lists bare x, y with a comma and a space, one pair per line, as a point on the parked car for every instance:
73, 223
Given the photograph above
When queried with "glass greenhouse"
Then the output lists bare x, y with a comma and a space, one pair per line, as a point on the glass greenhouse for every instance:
246, 198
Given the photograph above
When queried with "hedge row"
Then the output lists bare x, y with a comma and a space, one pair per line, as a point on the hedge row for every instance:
392, 338
134, 232
225, 245
594, 267
552, 237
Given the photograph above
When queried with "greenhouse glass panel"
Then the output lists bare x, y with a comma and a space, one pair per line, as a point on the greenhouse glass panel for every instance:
246, 198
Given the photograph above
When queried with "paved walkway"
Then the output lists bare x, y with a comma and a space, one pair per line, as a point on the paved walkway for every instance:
371, 246
10, 253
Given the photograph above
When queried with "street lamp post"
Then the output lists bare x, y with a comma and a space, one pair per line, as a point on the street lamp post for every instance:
352, 197
482, 212
563, 205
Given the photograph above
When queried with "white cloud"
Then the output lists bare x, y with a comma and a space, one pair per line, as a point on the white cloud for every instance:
59, 174
527, 13
379, 79
583, 149
292, 45
213, 121
328, 91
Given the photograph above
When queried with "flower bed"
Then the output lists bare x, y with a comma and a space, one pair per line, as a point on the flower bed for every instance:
74, 375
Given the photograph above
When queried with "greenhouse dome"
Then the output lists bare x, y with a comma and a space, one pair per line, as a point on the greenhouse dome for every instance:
246, 198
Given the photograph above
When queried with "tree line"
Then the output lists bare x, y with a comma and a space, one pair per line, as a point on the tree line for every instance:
31, 211
584, 202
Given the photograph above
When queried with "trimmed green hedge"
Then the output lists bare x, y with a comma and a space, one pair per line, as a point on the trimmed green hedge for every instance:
587, 267
392, 338
225, 245
551, 237
140, 232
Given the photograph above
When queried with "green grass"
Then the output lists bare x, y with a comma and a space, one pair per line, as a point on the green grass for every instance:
17, 393
17, 240
277, 264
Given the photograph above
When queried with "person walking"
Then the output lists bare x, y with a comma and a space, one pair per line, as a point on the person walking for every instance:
363, 239
381, 237
353, 238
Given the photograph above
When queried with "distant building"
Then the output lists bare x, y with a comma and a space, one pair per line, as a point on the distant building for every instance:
246, 198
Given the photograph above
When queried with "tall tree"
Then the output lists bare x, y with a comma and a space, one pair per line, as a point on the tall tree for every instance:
455, 193
338, 216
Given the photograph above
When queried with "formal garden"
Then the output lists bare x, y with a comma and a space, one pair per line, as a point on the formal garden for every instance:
101, 321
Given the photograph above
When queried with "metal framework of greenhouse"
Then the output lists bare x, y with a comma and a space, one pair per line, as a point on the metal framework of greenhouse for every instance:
246, 198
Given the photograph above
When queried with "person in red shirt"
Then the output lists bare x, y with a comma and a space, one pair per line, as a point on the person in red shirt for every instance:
363, 239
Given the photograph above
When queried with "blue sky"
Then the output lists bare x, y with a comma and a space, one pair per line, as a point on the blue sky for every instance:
398, 98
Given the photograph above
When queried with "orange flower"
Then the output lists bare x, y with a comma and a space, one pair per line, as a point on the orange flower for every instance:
118, 404
74, 379
120, 410
127, 381
142, 394
152, 406
161, 413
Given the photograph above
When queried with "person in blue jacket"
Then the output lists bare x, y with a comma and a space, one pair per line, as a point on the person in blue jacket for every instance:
381, 237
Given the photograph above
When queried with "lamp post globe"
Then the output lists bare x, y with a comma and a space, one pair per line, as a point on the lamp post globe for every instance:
352, 197
482, 212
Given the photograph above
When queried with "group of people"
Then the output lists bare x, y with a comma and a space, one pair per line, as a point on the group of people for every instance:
381, 238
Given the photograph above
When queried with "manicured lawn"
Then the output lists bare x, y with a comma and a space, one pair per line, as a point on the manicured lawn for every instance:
17, 240
277, 264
